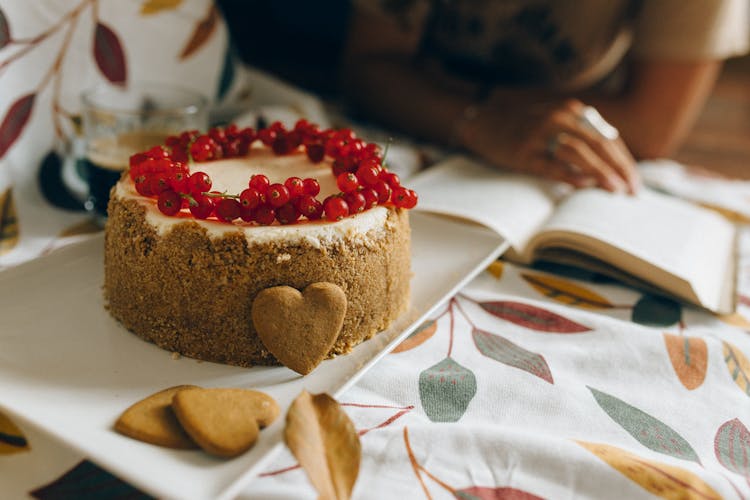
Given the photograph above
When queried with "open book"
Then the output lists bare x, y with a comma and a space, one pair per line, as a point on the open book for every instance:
650, 240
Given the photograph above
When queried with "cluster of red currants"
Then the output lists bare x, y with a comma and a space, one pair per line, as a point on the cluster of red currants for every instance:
363, 180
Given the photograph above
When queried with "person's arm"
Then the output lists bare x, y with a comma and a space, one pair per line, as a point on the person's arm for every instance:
511, 129
660, 105
514, 129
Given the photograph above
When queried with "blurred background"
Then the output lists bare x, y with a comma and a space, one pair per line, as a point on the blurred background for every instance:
301, 41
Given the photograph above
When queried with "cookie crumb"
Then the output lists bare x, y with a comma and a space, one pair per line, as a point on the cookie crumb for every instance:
176, 355
284, 257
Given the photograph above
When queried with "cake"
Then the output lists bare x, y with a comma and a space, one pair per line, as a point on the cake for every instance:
197, 228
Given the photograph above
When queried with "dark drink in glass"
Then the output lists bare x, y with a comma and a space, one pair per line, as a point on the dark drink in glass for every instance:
119, 121
107, 158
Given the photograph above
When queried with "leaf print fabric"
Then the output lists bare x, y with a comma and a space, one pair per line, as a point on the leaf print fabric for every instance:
530, 383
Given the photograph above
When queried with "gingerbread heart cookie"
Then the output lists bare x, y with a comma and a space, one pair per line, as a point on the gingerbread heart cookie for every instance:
224, 422
153, 421
299, 329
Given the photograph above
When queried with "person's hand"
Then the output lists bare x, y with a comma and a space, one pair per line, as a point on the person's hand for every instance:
566, 141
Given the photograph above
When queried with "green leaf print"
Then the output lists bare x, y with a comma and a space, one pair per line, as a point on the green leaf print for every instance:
647, 430
446, 389
506, 352
651, 310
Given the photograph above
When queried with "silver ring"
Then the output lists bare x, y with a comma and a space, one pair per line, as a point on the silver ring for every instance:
591, 118
553, 143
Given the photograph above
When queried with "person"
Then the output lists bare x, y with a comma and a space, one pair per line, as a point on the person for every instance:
570, 90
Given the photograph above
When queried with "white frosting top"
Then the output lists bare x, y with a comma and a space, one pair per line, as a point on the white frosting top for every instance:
232, 175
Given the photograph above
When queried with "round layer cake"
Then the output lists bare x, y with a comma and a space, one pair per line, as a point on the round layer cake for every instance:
188, 284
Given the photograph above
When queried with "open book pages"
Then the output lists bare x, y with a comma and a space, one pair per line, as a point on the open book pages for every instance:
649, 239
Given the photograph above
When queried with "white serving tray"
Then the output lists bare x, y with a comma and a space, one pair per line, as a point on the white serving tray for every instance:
69, 369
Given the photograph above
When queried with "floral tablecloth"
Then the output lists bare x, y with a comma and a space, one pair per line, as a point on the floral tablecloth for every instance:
529, 383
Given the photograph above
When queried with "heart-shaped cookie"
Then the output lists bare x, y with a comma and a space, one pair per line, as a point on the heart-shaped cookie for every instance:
153, 421
299, 329
224, 422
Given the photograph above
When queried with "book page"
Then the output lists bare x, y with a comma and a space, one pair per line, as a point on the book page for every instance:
514, 206
687, 241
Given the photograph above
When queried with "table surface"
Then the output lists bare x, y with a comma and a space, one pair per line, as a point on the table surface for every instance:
530, 383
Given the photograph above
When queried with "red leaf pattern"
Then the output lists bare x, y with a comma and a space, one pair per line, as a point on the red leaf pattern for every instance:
201, 34
489, 493
14, 122
732, 447
4, 30
532, 317
109, 55
506, 352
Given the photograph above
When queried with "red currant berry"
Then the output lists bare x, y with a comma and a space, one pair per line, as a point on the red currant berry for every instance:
302, 125
315, 152
383, 190
281, 145
335, 208
178, 182
371, 198
287, 214
143, 184
277, 195
157, 153
310, 207
159, 183
172, 142
340, 167
368, 171
248, 135
247, 214
250, 198
356, 202
295, 185
169, 202
232, 148
265, 215
205, 149
401, 197
135, 162
260, 183
199, 182
227, 209
218, 135
232, 131
347, 182
391, 178
267, 136
411, 199
201, 206
312, 187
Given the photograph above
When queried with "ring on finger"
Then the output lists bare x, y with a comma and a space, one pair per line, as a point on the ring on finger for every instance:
553, 143
591, 118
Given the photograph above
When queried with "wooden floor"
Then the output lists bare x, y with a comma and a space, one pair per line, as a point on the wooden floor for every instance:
720, 140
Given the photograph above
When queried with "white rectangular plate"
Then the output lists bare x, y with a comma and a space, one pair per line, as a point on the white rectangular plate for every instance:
69, 369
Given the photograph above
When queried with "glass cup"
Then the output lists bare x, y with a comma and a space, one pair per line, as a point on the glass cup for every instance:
120, 121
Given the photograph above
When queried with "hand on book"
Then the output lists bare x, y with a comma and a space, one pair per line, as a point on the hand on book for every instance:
566, 141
